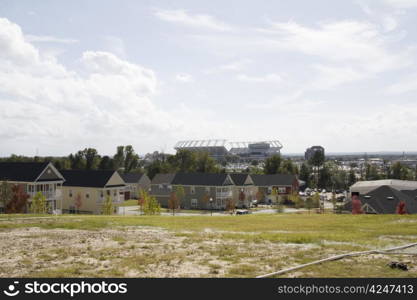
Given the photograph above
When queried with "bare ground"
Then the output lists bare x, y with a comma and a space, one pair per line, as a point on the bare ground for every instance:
138, 251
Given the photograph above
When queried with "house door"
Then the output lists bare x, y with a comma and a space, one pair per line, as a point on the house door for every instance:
127, 195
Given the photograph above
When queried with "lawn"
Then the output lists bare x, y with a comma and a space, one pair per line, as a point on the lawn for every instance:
202, 246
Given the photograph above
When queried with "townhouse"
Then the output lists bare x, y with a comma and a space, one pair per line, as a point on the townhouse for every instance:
206, 191
34, 177
201, 190
284, 184
134, 183
84, 191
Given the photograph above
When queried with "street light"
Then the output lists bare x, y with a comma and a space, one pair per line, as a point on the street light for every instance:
211, 206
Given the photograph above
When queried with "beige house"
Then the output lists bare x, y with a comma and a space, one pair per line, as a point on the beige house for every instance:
134, 183
34, 177
84, 191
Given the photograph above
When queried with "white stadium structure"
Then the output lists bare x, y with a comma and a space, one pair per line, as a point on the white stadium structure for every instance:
219, 149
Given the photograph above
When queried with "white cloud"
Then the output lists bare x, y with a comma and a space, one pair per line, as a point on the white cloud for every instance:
401, 3
233, 66
407, 84
45, 105
115, 45
268, 78
194, 20
183, 77
48, 39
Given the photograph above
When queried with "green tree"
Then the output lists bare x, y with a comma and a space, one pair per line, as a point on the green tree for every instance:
272, 164
305, 174
92, 158
150, 205
309, 203
205, 164
108, 207
131, 159
106, 163
287, 167
316, 200
39, 204
351, 177
5, 193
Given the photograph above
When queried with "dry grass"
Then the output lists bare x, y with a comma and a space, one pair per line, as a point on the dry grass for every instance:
201, 246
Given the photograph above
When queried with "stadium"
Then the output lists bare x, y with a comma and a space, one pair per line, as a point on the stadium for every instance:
221, 149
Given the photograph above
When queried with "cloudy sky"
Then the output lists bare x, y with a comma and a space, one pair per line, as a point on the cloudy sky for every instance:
75, 74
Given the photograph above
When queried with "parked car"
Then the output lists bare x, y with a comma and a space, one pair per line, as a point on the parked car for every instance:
242, 212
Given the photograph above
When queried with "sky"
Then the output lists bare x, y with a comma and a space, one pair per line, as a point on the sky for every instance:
102, 73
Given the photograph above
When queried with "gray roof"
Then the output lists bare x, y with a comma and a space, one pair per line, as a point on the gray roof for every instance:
131, 177
385, 199
239, 178
364, 187
22, 171
207, 179
162, 178
273, 179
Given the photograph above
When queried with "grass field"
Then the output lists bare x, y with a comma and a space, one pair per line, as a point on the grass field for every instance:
202, 246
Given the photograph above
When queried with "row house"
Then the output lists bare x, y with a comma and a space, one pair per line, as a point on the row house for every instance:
84, 191
214, 191
34, 177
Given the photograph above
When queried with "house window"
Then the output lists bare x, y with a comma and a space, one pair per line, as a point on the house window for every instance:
192, 190
282, 190
101, 194
160, 186
194, 203
87, 195
115, 193
208, 189
70, 193
269, 190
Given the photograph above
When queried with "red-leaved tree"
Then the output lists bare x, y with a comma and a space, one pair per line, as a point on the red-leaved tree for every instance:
356, 205
401, 208
19, 200
78, 202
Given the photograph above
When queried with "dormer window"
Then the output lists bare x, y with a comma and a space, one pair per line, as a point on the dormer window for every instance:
367, 197
390, 198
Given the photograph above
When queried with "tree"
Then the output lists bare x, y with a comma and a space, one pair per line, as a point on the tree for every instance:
356, 205
119, 157
18, 202
230, 205
272, 164
309, 203
334, 201
287, 167
173, 202
351, 177
183, 161
39, 204
317, 160
78, 202
108, 207
242, 197
205, 163
316, 200
5, 193
91, 158
131, 159
150, 205
401, 209
260, 196
305, 174
106, 163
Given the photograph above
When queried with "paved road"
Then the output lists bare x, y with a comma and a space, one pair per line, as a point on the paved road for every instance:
134, 210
